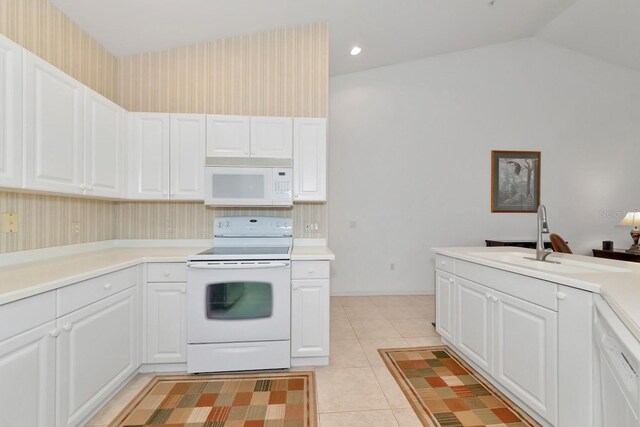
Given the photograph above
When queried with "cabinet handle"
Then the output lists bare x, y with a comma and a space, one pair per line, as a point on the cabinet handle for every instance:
494, 299
167, 273
107, 286
310, 270
55, 333
67, 327
183, 291
82, 187
561, 295
488, 296
451, 280
295, 287
443, 262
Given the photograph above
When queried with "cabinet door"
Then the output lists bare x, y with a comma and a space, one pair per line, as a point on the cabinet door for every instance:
271, 137
149, 159
10, 113
228, 136
104, 133
445, 308
188, 137
97, 352
310, 160
526, 353
474, 321
53, 107
27, 375
166, 323
310, 318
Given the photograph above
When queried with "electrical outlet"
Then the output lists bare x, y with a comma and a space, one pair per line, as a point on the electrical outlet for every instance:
10, 222
75, 228
311, 227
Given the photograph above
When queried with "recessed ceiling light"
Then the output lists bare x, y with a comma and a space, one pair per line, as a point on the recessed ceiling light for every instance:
356, 50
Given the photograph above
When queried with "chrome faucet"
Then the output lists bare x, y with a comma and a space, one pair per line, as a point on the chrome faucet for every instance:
543, 228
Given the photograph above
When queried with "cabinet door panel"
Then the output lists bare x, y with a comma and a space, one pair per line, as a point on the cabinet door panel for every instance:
104, 137
166, 323
445, 305
27, 378
310, 318
310, 159
188, 136
474, 319
10, 113
228, 136
53, 128
526, 353
149, 160
97, 352
271, 137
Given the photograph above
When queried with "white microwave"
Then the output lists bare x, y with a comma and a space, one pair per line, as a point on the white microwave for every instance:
248, 186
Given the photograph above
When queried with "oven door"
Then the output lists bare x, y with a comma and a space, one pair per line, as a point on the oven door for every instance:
236, 301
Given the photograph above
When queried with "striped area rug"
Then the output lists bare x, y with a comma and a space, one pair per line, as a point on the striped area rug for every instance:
446, 392
243, 400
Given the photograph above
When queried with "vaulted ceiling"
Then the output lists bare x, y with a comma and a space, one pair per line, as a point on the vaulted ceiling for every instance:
389, 31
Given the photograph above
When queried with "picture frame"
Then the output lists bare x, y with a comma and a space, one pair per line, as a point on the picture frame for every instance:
515, 181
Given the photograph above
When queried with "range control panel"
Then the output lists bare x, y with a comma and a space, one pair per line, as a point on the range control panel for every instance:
253, 226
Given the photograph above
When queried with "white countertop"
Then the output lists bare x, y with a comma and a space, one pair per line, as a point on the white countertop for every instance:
33, 274
620, 289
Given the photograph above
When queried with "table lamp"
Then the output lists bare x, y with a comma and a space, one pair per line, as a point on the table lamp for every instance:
632, 219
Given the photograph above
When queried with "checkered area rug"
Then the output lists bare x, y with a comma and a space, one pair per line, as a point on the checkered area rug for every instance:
445, 391
245, 400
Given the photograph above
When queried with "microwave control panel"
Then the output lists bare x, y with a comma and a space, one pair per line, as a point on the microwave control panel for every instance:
282, 186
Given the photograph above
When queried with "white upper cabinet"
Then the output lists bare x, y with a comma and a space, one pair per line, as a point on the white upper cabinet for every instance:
243, 136
271, 137
187, 146
53, 123
149, 156
10, 113
105, 131
228, 136
310, 160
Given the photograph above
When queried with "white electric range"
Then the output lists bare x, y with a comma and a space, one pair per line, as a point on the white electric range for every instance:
239, 297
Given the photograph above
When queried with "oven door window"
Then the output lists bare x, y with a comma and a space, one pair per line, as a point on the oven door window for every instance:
239, 300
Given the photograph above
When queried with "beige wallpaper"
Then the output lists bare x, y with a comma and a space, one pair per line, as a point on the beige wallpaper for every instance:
278, 73
46, 31
45, 221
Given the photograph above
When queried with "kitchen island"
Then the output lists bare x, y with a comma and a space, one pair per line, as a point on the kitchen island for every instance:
527, 325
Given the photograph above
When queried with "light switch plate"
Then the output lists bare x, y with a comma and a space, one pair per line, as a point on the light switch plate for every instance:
10, 222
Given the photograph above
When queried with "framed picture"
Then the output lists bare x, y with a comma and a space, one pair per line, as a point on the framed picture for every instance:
515, 181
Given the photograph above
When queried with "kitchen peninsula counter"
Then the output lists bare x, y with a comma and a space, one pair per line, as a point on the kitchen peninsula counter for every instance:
621, 289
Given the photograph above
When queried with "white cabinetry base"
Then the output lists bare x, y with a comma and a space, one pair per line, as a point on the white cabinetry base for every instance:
310, 361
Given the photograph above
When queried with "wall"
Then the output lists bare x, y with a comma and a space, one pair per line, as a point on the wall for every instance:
276, 73
410, 156
231, 76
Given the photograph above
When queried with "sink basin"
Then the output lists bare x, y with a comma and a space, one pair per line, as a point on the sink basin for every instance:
566, 265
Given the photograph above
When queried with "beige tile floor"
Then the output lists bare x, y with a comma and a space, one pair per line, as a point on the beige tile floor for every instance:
356, 389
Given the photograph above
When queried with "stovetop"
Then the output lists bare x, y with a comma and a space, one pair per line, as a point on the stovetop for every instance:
243, 252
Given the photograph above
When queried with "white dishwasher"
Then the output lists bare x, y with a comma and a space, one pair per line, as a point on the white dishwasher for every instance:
617, 355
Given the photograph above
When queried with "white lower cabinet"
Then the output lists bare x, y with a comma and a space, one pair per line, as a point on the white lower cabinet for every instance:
97, 351
526, 352
27, 378
310, 286
474, 317
166, 323
512, 340
445, 302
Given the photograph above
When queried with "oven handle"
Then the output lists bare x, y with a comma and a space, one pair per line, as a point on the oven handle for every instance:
237, 266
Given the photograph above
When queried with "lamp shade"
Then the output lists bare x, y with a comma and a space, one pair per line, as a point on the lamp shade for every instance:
631, 219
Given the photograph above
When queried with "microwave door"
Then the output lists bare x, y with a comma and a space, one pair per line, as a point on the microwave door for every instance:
239, 187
